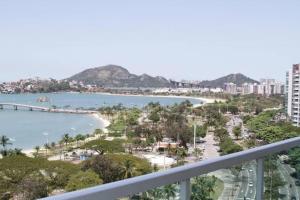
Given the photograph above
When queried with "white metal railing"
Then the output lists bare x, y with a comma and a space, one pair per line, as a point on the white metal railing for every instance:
182, 175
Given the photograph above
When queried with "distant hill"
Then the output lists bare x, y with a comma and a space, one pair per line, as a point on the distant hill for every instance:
117, 76
238, 79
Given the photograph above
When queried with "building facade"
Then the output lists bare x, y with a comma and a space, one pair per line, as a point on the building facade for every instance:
230, 88
292, 103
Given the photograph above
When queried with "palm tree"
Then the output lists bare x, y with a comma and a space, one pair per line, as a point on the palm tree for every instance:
46, 146
66, 139
18, 151
128, 169
78, 138
156, 193
53, 144
170, 191
37, 148
4, 141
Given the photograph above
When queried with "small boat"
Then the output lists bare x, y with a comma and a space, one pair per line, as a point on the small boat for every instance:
43, 99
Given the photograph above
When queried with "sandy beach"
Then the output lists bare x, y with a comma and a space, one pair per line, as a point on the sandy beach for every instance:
102, 119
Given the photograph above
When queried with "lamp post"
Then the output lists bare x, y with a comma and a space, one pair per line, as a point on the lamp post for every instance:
195, 129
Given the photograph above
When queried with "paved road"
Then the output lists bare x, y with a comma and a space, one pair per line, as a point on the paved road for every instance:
229, 185
290, 189
248, 182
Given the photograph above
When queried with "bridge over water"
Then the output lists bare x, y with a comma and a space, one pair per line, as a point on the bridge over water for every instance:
17, 106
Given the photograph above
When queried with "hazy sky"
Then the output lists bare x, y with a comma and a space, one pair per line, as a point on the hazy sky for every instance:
177, 39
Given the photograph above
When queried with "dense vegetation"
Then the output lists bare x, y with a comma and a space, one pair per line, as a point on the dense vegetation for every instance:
227, 145
114, 167
19, 173
254, 103
267, 128
105, 146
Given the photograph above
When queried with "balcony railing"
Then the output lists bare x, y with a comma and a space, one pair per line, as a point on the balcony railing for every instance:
183, 175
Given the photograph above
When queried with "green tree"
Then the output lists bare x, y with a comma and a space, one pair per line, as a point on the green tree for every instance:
78, 138
98, 132
170, 191
107, 169
128, 169
83, 180
66, 139
47, 147
33, 187
203, 187
237, 131
157, 193
154, 117
4, 142
105, 146
53, 144
201, 131
37, 150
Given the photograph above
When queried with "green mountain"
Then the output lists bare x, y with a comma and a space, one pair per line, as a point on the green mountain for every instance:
238, 79
117, 76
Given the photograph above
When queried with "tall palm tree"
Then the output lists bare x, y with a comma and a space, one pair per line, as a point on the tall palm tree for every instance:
78, 138
128, 169
53, 144
4, 141
47, 146
18, 151
66, 139
37, 149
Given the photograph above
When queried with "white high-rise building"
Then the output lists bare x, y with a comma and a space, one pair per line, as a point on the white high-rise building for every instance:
230, 88
292, 103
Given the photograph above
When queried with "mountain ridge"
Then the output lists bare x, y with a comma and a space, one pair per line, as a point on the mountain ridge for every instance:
236, 78
118, 76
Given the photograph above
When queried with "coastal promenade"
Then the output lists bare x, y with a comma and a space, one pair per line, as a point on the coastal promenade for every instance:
16, 106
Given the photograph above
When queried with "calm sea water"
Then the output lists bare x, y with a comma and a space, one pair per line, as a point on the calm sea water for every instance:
28, 129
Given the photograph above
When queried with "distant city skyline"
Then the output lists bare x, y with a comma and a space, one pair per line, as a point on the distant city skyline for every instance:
194, 40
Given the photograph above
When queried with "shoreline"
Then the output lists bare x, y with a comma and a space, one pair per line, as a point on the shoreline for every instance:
103, 120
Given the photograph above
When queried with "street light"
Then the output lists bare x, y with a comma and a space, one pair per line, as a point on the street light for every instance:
195, 129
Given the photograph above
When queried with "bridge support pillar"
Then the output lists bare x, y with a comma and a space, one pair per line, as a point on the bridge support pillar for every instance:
1, 107
15, 107
30, 109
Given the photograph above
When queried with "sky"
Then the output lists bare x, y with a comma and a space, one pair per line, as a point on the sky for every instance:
187, 39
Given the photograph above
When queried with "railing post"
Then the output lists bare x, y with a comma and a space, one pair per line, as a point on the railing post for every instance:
260, 179
185, 190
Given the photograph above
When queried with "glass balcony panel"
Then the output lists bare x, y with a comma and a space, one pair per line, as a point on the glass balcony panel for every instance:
238, 182
282, 175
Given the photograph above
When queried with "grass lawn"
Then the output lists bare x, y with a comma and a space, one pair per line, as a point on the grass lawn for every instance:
218, 189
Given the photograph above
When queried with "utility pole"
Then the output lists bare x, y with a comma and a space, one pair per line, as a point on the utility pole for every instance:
195, 129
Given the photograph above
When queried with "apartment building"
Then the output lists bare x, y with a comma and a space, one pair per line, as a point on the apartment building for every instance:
292, 103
